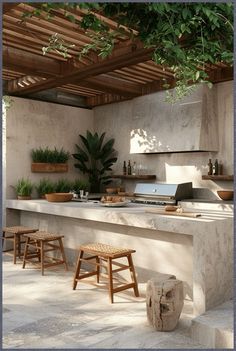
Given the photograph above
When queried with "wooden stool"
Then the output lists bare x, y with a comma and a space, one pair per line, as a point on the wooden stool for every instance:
41, 243
16, 237
107, 253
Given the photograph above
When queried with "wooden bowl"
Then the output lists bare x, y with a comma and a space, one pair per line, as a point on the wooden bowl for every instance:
225, 194
59, 197
111, 190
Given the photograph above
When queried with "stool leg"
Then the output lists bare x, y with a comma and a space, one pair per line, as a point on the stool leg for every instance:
42, 256
63, 253
25, 252
19, 245
133, 276
77, 270
3, 239
37, 244
14, 248
98, 269
110, 278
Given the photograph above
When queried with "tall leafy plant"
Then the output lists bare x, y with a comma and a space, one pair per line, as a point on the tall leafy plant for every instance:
95, 159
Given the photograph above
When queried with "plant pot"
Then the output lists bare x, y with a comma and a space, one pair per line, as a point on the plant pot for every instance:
49, 167
59, 197
19, 197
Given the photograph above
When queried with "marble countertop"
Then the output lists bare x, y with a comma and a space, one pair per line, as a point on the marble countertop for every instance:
131, 215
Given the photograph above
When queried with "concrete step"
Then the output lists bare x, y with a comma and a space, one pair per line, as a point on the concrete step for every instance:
214, 329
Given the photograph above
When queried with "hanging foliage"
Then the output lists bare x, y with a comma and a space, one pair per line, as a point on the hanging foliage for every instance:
184, 36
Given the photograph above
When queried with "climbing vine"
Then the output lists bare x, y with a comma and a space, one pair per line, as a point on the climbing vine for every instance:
184, 36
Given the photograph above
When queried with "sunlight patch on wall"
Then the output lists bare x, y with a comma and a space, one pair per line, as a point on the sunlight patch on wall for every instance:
182, 173
142, 141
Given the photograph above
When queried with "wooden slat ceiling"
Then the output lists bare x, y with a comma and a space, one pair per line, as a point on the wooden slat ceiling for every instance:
129, 72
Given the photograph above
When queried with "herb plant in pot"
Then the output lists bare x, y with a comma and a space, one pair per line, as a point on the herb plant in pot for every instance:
62, 191
95, 159
46, 160
45, 186
24, 189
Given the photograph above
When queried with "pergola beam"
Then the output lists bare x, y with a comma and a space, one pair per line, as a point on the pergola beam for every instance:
116, 61
29, 64
7, 7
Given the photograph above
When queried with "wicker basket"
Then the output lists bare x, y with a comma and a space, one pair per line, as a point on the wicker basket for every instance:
58, 197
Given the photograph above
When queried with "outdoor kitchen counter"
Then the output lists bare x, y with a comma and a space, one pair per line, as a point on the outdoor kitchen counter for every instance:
132, 215
199, 251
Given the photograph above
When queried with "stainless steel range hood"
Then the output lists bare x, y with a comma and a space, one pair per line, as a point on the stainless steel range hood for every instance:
187, 126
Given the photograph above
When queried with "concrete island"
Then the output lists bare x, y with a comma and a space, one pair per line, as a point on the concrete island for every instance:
198, 251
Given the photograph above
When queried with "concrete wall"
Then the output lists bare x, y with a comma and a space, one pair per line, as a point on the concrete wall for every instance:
118, 119
32, 124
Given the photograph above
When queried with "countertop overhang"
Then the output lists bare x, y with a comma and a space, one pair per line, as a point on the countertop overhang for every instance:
133, 215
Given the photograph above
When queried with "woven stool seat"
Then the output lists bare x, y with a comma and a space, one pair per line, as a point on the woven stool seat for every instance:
38, 244
19, 230
45, 236
105, 250
98, 253
15, 235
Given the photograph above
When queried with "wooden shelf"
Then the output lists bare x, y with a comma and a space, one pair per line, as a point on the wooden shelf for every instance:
144, 176
218, 177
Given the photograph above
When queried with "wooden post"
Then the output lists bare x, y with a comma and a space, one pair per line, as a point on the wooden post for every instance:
164, 303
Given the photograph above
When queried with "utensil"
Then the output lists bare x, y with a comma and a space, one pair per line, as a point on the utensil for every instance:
173, 213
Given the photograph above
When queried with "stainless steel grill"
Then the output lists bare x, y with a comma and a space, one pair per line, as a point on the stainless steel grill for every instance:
161, 194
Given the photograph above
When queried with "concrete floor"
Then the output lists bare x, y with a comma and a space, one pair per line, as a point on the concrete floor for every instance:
44, 312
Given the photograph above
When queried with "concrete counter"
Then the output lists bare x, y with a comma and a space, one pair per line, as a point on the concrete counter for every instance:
132, 215
198, 251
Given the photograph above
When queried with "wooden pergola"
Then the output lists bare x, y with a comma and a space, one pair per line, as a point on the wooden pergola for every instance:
127, 73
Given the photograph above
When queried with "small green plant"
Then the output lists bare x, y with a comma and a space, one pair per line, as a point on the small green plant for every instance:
79, 184
63, 186
45, 186
24, 187
46, 155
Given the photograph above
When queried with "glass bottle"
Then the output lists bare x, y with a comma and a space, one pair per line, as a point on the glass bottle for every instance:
134, 169
210, 167
124, 168
220, 168
215, 168
129, 168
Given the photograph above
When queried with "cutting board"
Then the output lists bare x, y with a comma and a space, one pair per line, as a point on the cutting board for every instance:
173, 213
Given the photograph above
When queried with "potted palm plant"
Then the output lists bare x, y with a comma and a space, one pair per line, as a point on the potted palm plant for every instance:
24, 189
46, 160
95, 159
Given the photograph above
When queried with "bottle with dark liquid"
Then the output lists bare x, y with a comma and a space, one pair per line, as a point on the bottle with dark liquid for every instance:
210, 167
216, 168
129, 168
124, 168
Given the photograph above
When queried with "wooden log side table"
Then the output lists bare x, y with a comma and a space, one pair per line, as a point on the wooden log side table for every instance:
39, 243
98, 252
15, 235
164, 303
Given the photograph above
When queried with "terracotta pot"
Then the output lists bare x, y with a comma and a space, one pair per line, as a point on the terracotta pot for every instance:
23, 197
59, 197
225, 195
49, 167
